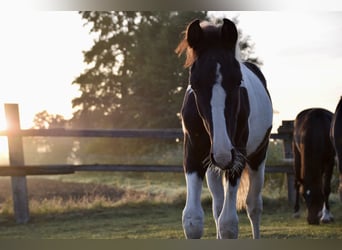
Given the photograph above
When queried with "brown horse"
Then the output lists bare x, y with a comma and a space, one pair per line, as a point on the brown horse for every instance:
313, 163
336, 136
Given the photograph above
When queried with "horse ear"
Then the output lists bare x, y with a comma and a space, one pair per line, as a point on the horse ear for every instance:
194, 33
229, 33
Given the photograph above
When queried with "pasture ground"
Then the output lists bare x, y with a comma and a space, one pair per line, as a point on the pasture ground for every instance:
137, 206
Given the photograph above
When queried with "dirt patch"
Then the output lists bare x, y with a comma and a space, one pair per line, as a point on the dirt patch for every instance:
40, 189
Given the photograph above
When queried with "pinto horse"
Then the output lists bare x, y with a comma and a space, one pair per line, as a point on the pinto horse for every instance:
313, 163
336, 136
226, 118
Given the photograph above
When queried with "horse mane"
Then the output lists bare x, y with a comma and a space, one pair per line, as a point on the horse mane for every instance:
190, 54
183, 46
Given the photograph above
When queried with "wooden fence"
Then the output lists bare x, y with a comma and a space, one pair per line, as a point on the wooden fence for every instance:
18, 170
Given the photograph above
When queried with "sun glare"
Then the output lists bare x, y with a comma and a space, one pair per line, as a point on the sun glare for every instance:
3, 141
3, 123
3, 151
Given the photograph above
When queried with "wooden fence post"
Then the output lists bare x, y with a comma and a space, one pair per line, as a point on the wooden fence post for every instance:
286, 129
16, 158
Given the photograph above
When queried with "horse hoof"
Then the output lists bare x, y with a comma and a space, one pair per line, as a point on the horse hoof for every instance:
326, 221
296, 215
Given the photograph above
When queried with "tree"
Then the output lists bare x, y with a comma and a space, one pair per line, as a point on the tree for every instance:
134, 78
48, 150
44, 120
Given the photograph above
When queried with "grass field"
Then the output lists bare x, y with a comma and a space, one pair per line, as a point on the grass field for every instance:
137, 206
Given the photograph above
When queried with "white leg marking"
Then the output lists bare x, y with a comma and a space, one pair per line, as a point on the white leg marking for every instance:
193, 214
254, 199
214, 181
228, 220
221, 143
326, 215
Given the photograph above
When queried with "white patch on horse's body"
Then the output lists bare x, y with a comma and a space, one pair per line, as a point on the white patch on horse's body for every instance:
326, 215
193, 214
221, 143
258, 101
238, 52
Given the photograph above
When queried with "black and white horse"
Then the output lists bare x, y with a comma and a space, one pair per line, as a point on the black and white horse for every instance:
313, 163
336, 136
227, 118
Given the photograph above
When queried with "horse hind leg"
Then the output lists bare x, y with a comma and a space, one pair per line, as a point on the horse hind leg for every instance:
254, 201
340, 187
339, 164
297, 184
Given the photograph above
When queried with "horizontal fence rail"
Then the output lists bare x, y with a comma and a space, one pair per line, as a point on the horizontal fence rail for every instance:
18, 170
70, 169
117, 133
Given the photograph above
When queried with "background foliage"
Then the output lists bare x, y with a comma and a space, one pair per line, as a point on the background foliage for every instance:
133, 79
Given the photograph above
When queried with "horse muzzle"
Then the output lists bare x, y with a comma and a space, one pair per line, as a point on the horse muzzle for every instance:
222, 160
229, 161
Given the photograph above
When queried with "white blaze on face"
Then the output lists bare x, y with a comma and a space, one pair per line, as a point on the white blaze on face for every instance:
222, 145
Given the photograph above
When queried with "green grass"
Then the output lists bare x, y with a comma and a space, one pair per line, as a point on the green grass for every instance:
155, 214
149, 220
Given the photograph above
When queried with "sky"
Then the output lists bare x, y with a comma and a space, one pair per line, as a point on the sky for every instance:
41, 54
302, 57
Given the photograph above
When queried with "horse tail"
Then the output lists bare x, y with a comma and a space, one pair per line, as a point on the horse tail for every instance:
243, 190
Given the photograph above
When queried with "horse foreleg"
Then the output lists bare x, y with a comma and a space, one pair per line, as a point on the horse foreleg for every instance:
254, 201
296, 213
215, 185
326, 214
193, 214
228, 220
